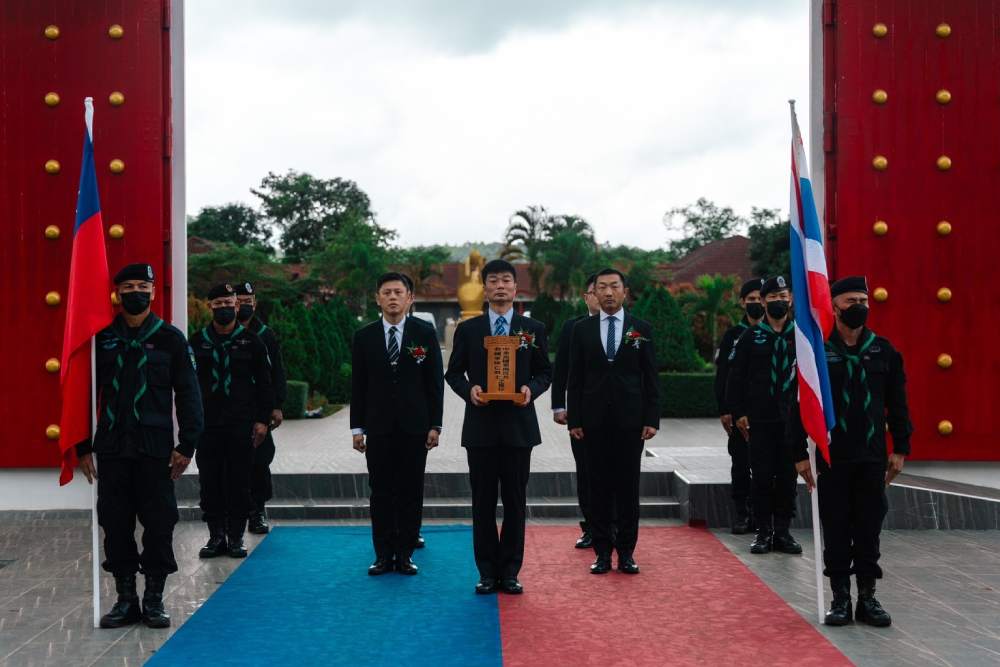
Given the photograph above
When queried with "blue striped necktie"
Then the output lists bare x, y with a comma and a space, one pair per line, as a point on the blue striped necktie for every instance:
393, 348
611, 337
500, 328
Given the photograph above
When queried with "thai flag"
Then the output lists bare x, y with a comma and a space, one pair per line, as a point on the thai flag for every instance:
88, 307
813, 309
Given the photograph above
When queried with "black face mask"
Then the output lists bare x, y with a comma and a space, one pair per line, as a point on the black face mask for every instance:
777, 309
855, 316
225, 315
245, 312
755, 310
135, 303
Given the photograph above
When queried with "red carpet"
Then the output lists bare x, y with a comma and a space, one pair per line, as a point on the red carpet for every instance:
694, 603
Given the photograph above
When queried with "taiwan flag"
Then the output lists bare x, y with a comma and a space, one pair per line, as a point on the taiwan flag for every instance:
88, 307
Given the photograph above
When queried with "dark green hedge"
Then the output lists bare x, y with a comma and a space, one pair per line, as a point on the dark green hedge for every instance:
688, 395
295, 403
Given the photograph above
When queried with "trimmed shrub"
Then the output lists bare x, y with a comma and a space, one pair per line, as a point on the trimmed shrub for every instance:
671, 331
295, 403
688, 395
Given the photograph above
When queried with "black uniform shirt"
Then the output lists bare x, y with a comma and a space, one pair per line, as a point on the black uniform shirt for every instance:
236, 392
722, 358
279, 381
762, 373
136, 417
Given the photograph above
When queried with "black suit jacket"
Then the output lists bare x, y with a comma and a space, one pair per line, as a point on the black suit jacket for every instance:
408, 400
499, 423
560, 372
619, 394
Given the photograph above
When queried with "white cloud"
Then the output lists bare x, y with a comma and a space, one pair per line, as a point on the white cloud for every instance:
614, 115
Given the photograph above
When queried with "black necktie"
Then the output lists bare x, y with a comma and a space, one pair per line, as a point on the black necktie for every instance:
393, 348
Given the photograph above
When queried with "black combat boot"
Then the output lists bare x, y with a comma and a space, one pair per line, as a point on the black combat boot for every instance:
258, 524
762, 543
840, 608
126, 610
153, 613
784, 542
234, 532
216, 545
869, 610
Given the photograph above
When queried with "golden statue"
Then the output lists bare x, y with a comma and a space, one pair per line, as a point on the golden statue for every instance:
470, 287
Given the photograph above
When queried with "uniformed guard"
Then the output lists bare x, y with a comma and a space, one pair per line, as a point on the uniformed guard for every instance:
144, 367
869, 392
761, 379
260, 472
739, 451
235, 379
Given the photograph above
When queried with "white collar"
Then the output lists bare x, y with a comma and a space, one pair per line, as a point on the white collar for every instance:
508, 316
386, 326
620, 315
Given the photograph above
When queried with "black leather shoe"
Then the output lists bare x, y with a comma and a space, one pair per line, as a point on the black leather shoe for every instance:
126, 610
627, 564
381, 566
216, 545
741, 526
869, 610
840, 608
585, 541
486, 586
601, 566
234, 533
511, 586
762, 544
153, 613
258, 524
785, 543
420, 543
406, 566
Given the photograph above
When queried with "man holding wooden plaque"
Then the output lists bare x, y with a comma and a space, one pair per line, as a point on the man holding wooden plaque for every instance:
499, 365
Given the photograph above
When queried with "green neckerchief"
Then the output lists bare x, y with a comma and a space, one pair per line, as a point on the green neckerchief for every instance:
150, 326
222, 375
782, 372
855, 375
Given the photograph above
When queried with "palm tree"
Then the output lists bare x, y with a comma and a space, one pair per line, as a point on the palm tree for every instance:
711, 299
524, 238
569, 223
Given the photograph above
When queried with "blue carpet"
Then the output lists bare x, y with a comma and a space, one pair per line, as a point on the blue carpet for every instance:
303, 597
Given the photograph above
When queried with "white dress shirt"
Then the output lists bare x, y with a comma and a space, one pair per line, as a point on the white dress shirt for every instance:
494, 316
619, 329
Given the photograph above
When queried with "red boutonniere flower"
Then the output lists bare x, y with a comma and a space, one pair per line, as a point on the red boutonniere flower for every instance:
634, 338
418, 352
526, 338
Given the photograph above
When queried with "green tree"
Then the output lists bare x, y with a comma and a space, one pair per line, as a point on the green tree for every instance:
569, 255
421, 262
232, 263
234, 223
700, 223
311, 211
352, 262
769, 243
671, 331
568, 223
525, 238
637, 264
711, 299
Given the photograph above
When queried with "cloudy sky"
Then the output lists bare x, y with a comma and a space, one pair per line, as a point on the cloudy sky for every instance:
452, 114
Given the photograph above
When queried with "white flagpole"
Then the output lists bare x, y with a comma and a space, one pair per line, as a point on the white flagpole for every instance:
94, 545
817, 537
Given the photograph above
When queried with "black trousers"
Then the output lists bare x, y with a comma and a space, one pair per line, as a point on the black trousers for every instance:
852, 505
260, 474
128, 489
773, 475
613, 460
396, 478
506, 467
224, 458
582, 481
739, 453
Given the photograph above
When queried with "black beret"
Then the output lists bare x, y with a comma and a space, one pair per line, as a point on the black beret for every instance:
135, 272
849, 284
244, 289
221, 290
751, 286
775, 284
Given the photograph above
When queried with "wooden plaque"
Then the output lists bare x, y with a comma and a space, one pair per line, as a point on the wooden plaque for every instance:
501, 369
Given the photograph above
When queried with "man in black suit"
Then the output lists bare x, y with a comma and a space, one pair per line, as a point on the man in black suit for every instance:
614, 406
559, 377
397, 398
498, 435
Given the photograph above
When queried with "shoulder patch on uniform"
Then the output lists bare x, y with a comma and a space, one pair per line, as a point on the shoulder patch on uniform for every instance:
190, 352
